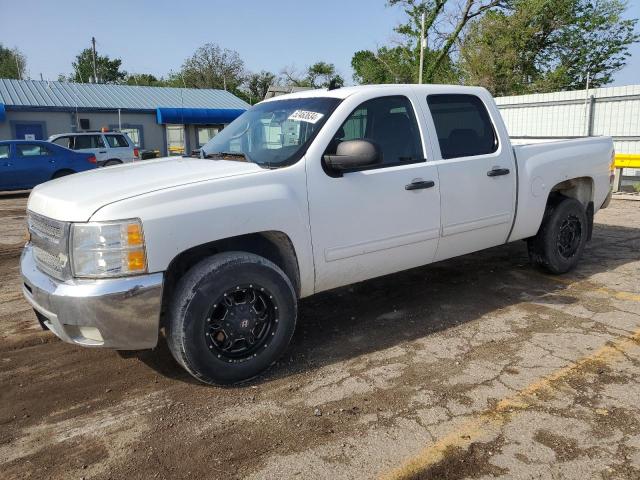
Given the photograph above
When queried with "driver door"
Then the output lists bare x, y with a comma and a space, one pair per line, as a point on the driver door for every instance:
372, 222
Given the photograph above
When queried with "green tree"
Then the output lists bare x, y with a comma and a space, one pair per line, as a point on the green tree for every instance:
258, 84
108, 70
398, 65
542, 46
437, 14
145, 80
595, 42
13, 63
445, 21
211, 67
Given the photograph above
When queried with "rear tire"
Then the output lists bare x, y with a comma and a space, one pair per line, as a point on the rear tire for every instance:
231, 316
110, 163
560, 242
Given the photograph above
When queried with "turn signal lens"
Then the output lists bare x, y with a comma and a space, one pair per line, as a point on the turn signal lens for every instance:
134, 234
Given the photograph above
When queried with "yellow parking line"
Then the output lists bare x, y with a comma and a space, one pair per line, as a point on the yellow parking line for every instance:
489, 421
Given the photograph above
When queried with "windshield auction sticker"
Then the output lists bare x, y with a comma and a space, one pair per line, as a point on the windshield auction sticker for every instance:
305, 116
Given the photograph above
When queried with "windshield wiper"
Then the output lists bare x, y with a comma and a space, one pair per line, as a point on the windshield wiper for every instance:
224, 155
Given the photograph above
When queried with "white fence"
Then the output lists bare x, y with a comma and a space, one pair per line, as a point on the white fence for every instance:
611, 111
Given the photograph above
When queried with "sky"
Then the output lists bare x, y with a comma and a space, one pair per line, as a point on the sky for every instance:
157, 36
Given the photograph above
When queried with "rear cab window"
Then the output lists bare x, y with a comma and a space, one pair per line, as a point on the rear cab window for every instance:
4, 151
463, 125
117, 141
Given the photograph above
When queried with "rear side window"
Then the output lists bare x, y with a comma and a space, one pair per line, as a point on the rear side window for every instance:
4, 151
88, 141
116, 141
463, 125
64, 142
29, 150
387, 121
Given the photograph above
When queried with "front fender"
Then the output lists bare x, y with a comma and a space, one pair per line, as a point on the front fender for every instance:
179, 218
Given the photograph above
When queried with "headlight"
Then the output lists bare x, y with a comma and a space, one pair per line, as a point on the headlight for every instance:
108, 249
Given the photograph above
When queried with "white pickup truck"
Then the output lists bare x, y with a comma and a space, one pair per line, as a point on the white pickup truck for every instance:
302, 193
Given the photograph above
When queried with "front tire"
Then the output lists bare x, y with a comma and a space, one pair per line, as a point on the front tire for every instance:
560, 242
231, 317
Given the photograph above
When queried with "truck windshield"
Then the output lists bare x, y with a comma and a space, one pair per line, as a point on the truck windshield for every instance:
272, 134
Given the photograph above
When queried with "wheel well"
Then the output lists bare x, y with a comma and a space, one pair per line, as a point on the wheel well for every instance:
272, 245
580, 189
64, 171
113, 160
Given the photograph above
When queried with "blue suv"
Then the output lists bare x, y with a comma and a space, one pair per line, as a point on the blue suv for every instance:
27, 163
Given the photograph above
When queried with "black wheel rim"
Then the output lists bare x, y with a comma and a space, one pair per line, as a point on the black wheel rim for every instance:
241, 323
569, 237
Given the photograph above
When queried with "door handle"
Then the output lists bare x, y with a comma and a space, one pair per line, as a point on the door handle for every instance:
496, 172
420, 184
52, 161
102, 151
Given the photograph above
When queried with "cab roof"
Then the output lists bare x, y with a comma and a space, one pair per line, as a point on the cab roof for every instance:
344, 92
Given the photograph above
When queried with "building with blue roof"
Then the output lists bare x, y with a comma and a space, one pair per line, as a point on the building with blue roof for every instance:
169, 120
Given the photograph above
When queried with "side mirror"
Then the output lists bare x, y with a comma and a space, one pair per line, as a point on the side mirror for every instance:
353, 155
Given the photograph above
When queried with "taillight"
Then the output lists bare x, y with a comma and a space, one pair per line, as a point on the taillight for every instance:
612, 168
136, 153
92, 159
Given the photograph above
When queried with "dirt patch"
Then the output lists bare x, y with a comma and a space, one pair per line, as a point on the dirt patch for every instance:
472, 462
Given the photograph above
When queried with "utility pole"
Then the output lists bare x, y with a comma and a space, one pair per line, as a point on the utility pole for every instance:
95, 68
587, 112
422, 47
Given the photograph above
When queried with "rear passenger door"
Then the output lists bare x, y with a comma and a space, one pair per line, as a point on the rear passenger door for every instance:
477, 174
33, 164
91, 144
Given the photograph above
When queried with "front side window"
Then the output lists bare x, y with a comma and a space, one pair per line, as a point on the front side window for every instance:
272, 134
390, 123
4, 151
88, 141
30, 150
117, 141
463, 125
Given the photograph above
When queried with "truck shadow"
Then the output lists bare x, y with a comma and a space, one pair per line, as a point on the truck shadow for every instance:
378, 314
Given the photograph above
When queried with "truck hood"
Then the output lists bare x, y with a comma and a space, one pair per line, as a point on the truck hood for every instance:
76, 197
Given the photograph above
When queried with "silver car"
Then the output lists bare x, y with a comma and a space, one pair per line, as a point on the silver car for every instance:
109, 148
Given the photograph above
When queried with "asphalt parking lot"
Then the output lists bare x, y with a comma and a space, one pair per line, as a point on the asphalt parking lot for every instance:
477, 367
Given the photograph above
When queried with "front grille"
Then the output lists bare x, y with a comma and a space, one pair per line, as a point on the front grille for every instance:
52, 264
46, 228
50, 240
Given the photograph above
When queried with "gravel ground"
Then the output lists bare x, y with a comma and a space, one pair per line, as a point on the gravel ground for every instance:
477, 367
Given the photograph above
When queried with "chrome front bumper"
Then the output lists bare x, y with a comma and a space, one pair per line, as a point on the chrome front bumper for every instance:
121, 313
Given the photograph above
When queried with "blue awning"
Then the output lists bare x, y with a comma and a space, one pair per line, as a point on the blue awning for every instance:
197, 116
3, 114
